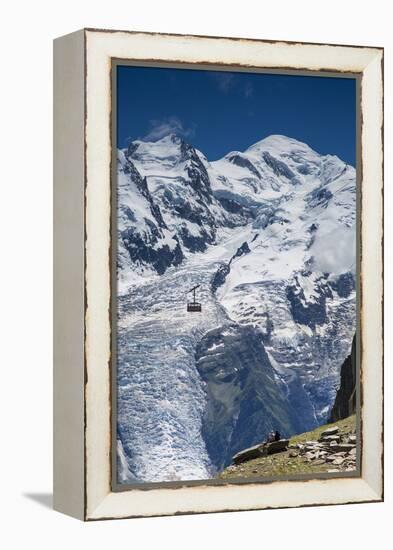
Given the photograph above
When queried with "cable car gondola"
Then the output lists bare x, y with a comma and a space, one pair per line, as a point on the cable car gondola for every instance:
194, 306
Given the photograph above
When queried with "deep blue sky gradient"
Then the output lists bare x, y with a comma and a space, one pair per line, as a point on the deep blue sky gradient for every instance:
219, 112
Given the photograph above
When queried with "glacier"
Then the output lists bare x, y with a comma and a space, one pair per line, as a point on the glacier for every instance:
269, 235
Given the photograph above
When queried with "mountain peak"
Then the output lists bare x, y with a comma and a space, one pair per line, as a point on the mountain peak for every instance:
167, 149
170, 138
280, 144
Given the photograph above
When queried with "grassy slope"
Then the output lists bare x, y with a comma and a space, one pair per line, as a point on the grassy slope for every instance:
281, 463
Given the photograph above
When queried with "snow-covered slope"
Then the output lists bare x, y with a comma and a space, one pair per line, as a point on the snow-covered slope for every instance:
145, 243
178, 179
297, 283
269, 234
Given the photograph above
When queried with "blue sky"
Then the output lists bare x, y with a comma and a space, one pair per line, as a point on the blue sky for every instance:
219, 112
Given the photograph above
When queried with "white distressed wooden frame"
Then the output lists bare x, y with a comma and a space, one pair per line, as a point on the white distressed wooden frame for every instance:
82, 442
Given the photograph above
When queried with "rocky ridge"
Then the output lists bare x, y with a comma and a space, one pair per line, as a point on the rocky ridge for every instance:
345, 402
327, 449
333, 448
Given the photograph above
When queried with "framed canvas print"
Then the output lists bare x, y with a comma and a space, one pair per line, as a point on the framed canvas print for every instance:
218, 274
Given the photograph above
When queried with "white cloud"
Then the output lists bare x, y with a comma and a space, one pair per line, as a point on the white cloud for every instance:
163, 127
224, 81
227, 82
248, 90
335, 251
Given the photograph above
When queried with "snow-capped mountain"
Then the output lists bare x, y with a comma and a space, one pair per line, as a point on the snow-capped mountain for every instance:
297, 283
269, 234
143, 236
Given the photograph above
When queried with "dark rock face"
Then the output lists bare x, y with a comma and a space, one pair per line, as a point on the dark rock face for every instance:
146, 244
243, 249
344, 285
345, 402
319, 197
268, 215
160, 259
244, 162
198, 177
198, 215
279, 167
233, 206
245, 400
222, 272
220, 276
312, 312
186, 202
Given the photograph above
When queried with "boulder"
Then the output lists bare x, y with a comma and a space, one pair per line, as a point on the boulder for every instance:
248, 454
275, 447
329, 438
346, 447
330, 431
262, 449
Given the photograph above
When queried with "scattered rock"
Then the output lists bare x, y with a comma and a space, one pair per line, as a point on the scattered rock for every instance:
347, 447
329, 438
331, 458
334, 449
330, 431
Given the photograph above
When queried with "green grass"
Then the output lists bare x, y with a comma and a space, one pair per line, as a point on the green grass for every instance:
281, 464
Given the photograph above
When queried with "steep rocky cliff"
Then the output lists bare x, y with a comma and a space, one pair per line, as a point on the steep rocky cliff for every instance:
345, 402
